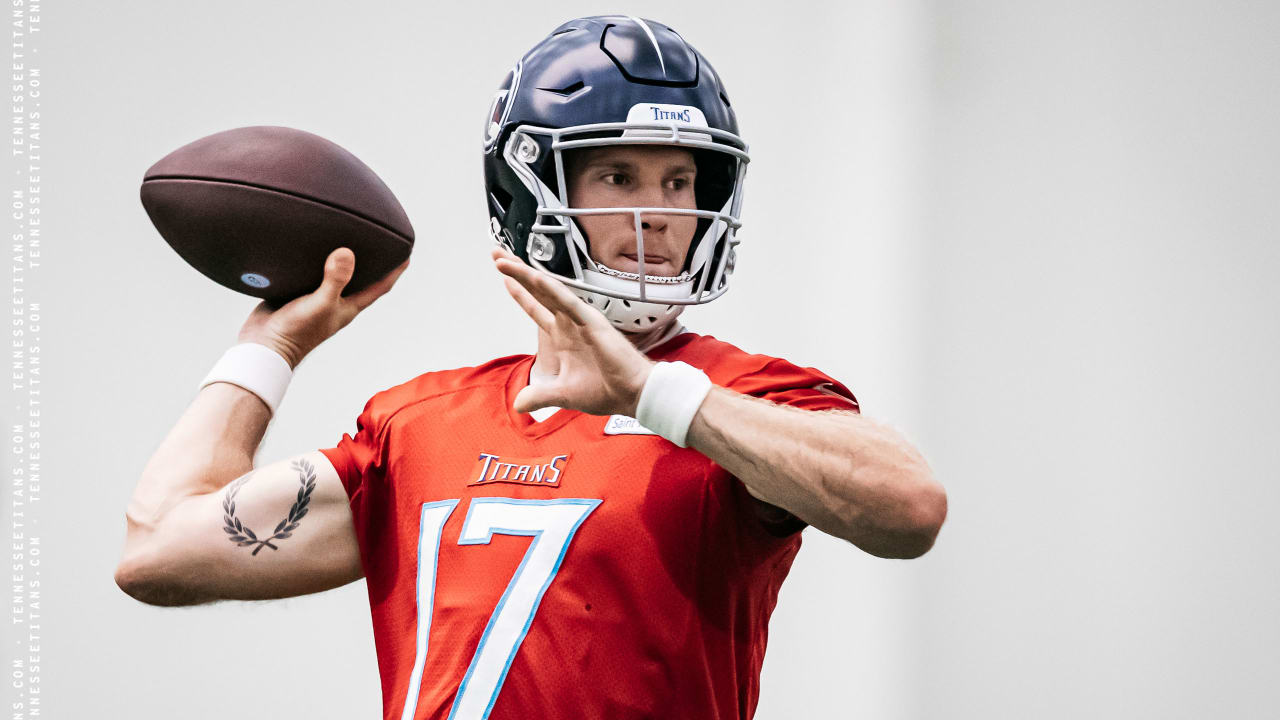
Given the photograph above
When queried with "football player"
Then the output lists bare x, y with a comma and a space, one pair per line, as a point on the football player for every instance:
597, 530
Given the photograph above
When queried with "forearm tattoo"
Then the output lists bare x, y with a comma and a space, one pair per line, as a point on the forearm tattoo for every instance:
242, 536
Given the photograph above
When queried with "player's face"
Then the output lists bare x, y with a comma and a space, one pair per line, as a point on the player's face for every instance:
635, 176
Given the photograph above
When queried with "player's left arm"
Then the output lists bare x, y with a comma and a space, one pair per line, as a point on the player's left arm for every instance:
843, 473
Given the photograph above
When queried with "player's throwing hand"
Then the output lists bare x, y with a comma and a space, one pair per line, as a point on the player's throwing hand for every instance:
600, 372
304, 322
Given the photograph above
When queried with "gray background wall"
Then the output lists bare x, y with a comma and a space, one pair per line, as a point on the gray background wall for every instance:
1101, 361
1040, 238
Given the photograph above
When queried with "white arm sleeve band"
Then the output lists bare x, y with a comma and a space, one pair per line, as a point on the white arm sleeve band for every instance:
256, 368
670, 398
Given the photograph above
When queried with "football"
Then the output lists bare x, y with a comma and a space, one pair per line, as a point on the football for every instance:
259, 209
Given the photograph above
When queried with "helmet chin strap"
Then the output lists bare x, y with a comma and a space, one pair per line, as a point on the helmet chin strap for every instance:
634, 316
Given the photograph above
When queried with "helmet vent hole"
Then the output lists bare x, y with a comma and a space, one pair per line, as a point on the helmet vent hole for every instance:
652, 319
626, 303
591, 301
637, 321
567, 90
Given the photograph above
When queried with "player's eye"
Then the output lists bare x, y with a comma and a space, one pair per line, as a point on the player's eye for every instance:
616, 178
679, 183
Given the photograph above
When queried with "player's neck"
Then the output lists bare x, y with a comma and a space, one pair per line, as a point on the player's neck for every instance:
545, 363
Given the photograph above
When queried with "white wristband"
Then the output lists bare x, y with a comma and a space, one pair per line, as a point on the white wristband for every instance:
256, 368
670, 398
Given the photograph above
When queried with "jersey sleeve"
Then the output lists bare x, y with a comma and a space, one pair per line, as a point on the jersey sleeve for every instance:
353, 456
800, 387
805, 388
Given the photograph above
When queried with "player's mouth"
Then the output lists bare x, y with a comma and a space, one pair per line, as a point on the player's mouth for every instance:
653, 264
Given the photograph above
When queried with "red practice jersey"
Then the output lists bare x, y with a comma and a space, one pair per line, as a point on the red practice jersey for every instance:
578, 567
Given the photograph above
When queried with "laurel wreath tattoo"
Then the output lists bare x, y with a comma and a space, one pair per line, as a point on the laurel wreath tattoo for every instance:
243, 536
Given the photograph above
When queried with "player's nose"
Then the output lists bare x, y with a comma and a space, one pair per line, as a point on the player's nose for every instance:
651, 222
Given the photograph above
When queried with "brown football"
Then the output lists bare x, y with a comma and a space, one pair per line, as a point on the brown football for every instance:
259, 209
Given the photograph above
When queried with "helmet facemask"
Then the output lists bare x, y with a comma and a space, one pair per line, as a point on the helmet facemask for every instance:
632, 301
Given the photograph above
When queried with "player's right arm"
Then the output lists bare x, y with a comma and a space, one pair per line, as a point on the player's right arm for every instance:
280, 530
204, 524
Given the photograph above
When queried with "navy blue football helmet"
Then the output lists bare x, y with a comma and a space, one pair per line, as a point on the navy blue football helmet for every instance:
613, 80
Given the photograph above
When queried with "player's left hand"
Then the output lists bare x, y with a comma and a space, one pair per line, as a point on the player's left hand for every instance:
600, 373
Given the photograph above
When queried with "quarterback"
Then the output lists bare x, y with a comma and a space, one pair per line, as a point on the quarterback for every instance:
597, 530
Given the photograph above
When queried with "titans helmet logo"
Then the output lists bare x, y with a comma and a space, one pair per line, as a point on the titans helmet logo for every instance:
500, 106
